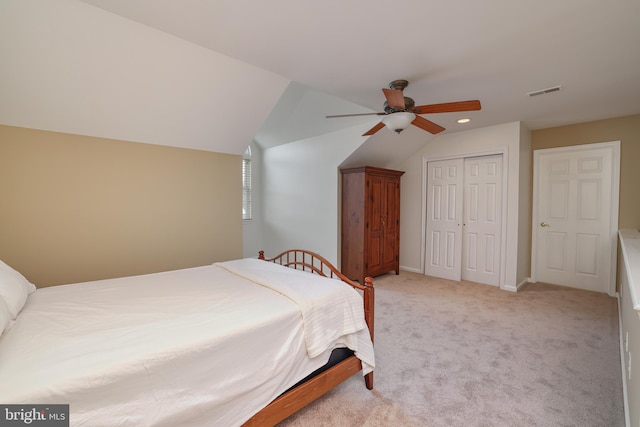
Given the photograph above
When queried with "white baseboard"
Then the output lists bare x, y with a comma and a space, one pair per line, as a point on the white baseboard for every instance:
411, 269
505, 288
524, 282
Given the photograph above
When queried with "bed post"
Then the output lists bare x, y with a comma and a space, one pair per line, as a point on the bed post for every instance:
369, 306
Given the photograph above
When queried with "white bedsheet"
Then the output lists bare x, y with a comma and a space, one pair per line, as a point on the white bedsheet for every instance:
200, 346
329, 308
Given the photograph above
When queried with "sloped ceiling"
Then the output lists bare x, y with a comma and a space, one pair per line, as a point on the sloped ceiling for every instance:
215, 74
492, 50
300, 114
71, 67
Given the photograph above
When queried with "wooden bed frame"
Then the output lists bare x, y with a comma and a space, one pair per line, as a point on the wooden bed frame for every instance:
297, 398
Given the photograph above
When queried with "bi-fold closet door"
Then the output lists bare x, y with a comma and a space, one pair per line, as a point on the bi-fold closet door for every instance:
464, 219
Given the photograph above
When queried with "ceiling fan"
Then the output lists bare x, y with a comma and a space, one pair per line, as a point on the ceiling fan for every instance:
400, 111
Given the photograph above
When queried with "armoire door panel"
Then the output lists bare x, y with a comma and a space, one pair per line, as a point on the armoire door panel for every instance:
376, 203
392, 212
374, 261
390, 251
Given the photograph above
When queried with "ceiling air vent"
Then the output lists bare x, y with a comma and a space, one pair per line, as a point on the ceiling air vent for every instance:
543, 91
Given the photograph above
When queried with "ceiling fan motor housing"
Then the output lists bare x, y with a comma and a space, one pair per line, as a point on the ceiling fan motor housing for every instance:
408, 102
408, 106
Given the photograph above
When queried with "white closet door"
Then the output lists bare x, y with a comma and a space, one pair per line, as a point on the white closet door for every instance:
444, 219
482, 223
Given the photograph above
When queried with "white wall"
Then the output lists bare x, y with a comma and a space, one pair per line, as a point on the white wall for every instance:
509, 139
71, 67
300, 193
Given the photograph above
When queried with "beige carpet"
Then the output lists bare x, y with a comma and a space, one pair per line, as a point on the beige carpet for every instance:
464, 354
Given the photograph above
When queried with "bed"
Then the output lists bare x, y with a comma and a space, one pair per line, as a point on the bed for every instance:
242, 342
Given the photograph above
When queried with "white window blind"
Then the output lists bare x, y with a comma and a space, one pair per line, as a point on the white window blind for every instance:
246, 185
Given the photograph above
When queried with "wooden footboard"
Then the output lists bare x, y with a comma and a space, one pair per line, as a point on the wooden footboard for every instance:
297, 398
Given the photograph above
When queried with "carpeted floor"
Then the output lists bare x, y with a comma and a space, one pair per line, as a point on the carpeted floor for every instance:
464, 354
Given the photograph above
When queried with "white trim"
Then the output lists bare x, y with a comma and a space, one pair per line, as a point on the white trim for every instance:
411, 269
504, 151
615, 212
625, 387
524, 282
614, 146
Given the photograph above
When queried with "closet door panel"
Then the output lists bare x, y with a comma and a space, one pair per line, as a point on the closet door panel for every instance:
482, 219
444, 217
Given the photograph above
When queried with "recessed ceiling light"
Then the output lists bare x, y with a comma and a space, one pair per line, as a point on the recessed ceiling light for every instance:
464, 120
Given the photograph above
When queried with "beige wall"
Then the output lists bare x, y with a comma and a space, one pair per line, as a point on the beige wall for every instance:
623, 129
76, 208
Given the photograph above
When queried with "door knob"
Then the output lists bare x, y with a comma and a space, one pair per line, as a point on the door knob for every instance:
544, 224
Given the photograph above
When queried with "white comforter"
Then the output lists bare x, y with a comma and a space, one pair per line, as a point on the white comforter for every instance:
202, 346
329, 309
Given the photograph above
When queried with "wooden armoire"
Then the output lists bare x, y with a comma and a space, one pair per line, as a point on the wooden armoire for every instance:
370, 222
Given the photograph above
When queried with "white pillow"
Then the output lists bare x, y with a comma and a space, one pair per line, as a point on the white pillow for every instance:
5, 316
14, 289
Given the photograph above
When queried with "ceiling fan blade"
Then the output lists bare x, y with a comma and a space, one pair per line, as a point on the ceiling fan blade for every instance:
427, 125
374, 129
448, 107
353, 115
395, 98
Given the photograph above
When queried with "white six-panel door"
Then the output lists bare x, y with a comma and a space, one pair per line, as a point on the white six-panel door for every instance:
482, 220
573, 204
464, 219
444, 219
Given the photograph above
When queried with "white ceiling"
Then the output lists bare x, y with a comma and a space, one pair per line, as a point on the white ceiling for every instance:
492, 50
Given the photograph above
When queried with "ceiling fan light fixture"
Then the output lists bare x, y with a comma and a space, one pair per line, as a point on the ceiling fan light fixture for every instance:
464, 120
399, 121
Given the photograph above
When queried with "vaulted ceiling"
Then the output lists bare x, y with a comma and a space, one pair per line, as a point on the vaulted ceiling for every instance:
218, 74
340, 53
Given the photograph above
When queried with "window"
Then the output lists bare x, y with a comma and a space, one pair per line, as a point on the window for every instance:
246, 185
